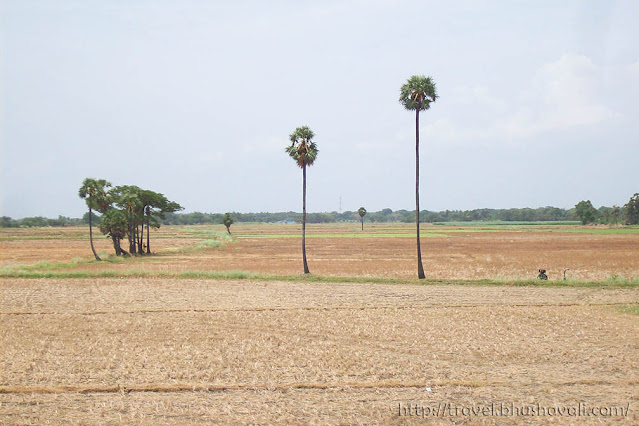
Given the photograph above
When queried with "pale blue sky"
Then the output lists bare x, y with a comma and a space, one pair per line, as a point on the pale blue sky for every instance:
196, 99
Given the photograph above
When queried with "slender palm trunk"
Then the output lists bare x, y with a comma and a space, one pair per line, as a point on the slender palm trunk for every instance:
141, 239
91, 231
132, 238
362, 223
420, 266
306, 271
148, 229
137, 239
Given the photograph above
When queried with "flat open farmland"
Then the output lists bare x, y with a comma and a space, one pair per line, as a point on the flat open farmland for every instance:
154, 346
381, 250
166, 351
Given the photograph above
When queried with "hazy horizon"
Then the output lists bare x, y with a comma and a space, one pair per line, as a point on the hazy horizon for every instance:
354, 211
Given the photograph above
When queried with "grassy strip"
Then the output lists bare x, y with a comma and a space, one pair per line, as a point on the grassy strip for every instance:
628, 309
354, 235
604, 231
447, 232
44, 237
505, 223
247, 275
48, 266
218, 239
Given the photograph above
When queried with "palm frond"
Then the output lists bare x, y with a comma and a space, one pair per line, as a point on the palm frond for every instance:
302, 148
418, 93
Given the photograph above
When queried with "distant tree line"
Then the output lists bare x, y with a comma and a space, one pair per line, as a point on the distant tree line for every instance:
385, 215
604, 215
627, 214
37, 221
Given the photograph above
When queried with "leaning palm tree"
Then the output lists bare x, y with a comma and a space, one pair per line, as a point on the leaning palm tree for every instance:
416, 95
304, 151
362, 212
94, 192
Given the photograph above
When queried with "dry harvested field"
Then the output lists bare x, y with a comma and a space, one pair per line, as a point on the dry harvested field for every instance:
172, 350
167, 351
382, 250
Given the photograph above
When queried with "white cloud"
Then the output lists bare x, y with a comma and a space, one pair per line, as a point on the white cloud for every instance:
572, 88
478, 95
562, 95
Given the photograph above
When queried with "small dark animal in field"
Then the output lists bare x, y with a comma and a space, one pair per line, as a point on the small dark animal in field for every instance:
542, 275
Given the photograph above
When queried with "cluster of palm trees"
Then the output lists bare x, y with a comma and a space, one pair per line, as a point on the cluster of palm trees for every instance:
415, 95
126, 211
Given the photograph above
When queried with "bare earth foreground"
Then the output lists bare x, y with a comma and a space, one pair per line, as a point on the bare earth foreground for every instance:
181, 351
79, 345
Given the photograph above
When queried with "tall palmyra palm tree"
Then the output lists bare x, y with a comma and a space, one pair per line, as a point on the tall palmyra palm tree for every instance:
304, 151
416, 95
362, 212
94, 192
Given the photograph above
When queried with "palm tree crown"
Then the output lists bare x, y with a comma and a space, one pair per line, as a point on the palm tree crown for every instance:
418, 92
93, 191
302, 148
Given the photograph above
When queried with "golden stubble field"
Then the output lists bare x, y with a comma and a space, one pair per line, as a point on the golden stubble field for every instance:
201, 351
382, 250
162, 351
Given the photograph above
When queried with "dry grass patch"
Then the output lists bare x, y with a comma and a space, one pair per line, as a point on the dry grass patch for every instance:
191, 351
463, 253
